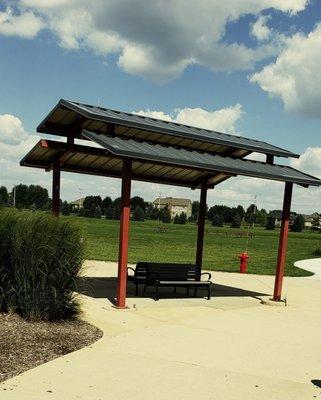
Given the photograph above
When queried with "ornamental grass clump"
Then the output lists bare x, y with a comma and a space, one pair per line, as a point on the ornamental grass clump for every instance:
44, 259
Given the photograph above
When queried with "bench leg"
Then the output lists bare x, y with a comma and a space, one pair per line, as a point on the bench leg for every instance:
136, 290
195, 291
144, 291
187, 290
174, 289
156, 293
208, 292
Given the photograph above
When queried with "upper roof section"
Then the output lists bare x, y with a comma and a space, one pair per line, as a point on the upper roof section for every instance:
70, 118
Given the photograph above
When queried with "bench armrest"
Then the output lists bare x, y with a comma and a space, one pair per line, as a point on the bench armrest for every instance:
129, 268
208, 274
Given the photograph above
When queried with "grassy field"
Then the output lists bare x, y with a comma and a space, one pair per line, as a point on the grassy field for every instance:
221, 249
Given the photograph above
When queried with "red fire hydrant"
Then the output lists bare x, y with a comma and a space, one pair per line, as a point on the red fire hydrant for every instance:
243, 262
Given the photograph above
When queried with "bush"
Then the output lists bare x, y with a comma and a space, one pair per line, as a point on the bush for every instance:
317, 250
98, 213
180, 219
217, 220
138, 214
109, 213
298, 224
65, 208
270, 224
40, 261
236, 222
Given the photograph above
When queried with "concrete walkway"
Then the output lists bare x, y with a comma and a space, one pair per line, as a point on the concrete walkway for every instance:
230, 347
313, 265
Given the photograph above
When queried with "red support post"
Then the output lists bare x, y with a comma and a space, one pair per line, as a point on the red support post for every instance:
124, 234
201, 225
283, 241
55, 206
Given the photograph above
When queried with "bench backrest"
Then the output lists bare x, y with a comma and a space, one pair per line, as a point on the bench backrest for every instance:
171, 272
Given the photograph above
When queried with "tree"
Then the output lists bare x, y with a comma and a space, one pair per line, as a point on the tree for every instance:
237, 221
180, 219
315, 223
65, 208
298, 224
195, 211
97, 212
137, 201
183, 218
116, 208
165, 215
151, 212
37, 196
250, 214
109, 213
138, 214
91, 202
217, 220
21, 196
261, 217
4, 196
240, 211
270, 224
106, 203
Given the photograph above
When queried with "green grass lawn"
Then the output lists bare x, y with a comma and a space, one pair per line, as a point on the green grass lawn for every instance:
221, 248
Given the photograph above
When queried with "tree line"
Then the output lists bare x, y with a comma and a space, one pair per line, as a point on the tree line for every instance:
36, 197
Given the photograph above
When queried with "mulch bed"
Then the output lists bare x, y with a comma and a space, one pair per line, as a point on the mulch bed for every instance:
24, 345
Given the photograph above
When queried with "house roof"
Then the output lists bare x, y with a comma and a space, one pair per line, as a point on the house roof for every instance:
77, 202
172, 201
278, 214
155, 162
69, 118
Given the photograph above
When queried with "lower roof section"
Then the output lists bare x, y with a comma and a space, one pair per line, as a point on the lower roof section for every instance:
155, 163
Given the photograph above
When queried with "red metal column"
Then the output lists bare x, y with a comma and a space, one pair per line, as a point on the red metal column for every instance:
124, 234
55, 206
201, 225
283, 241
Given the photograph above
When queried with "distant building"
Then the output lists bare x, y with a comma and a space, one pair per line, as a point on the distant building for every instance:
308, 219
77, 204
175, 205
277, 214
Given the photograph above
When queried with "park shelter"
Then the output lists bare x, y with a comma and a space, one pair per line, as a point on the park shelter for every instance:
134, 147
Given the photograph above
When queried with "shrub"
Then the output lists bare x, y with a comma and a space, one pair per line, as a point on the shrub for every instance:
165, 215
42, 259
236, 222
98, 213
65, 208
298, 224
138, 214
270, 224
317, 251
180, 219
217, 220
109, 213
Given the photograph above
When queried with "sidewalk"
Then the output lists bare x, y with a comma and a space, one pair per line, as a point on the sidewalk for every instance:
230, 347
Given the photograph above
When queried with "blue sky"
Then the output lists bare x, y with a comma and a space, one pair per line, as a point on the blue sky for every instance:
257, 61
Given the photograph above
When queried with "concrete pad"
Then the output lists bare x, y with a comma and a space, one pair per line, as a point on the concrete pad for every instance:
230, 347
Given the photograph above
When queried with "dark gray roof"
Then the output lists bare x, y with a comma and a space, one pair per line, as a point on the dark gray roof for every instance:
154, 162
69, 118
139, 150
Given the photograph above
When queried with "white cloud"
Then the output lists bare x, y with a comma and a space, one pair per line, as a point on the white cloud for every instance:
26, 25
11, 129
309, 161
295, 75
224, 119
157, 40
259, 28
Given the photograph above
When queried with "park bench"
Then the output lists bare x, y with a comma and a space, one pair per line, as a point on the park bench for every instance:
169, 275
